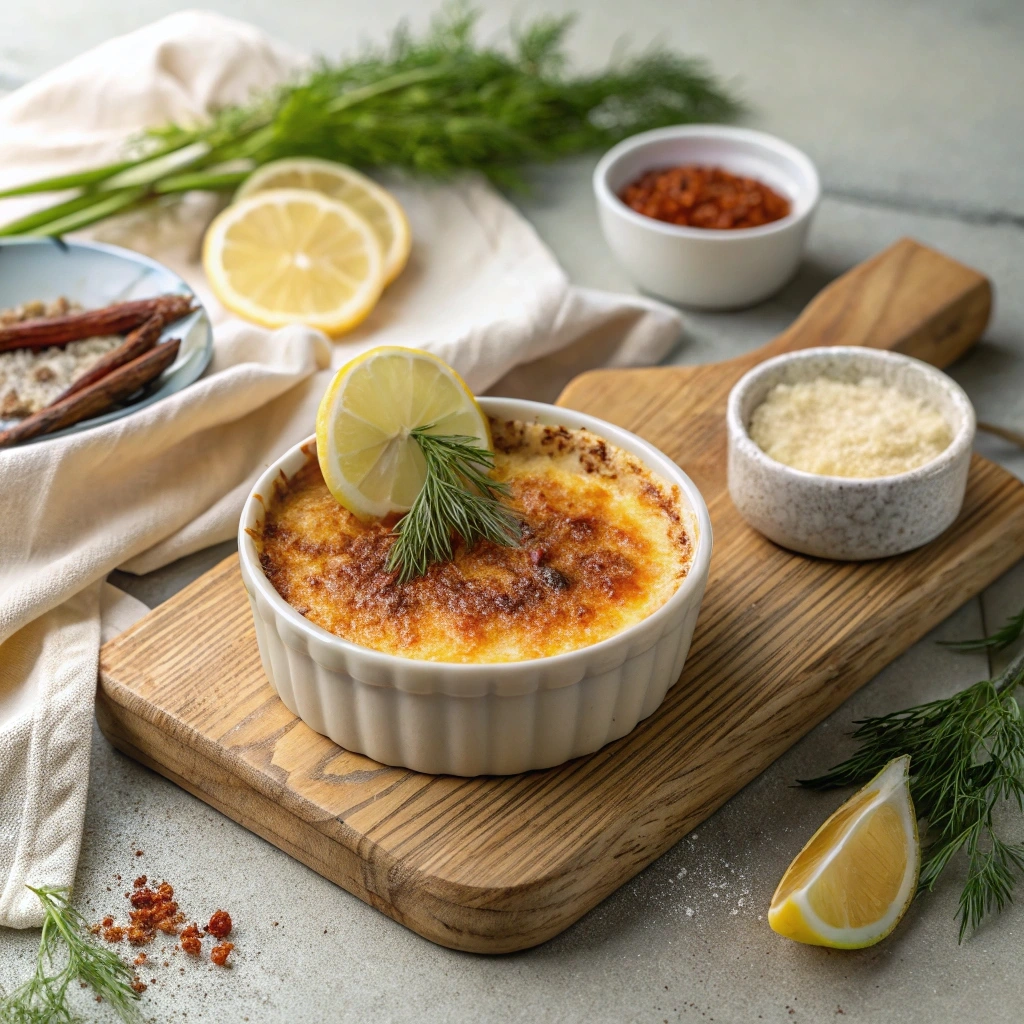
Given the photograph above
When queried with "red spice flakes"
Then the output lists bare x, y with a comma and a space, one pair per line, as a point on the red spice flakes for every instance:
191, 940
219, 953
153, 910
220, 924
704, 197
138, 853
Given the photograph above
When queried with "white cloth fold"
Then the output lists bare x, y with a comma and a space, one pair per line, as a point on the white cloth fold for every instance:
481, 291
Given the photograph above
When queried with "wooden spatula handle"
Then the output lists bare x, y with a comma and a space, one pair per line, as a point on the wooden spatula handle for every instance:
909, 299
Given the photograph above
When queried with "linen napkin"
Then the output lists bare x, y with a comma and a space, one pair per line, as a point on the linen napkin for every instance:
481, 291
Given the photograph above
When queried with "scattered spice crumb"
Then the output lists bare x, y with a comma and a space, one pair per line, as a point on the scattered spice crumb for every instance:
220, 924
138, 853
275, 924
190, 940
153, 910
219, 953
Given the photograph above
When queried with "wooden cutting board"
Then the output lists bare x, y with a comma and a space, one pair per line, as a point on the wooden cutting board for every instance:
499, 864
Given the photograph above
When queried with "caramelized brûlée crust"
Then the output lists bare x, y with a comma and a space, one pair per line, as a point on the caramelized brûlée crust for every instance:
604, 544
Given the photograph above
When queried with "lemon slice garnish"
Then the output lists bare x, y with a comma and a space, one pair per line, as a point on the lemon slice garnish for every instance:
287, 256
376, 205
370, 462
851, 884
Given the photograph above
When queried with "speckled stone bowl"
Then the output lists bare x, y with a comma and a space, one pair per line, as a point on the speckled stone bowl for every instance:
839, 517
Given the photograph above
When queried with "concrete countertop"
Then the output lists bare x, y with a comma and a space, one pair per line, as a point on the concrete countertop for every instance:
913, 114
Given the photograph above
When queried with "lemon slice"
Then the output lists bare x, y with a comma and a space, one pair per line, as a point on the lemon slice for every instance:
370, 462
376, 205
289, 256
851, 884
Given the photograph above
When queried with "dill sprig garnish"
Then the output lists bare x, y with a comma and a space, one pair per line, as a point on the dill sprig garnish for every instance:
43, 998
433, 104
458, 498
967, 764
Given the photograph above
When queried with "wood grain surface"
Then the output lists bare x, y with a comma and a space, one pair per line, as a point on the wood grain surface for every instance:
499, 864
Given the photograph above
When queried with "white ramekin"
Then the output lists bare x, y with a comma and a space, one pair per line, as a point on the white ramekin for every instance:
839, 517
695, 266
477, 719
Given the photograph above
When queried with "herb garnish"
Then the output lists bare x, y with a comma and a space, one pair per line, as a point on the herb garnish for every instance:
457, 497
966, 762
434, 105
44, 997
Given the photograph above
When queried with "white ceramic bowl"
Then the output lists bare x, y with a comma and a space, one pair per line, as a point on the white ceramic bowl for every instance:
477, 719
840, 517
696, 266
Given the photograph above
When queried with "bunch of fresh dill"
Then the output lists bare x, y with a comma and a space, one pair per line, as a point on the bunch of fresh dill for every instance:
435, 104
967, 764
43, 998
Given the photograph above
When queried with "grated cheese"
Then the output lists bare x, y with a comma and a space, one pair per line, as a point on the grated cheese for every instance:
835, 428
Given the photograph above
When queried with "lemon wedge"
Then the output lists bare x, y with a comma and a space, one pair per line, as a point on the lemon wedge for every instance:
851, 884
287, 256
378, 207
370, 462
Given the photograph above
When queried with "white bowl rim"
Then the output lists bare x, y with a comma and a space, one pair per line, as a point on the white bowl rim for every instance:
709, 131
695, 578
963, 438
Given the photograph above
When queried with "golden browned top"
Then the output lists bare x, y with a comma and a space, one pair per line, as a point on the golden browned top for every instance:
605, 543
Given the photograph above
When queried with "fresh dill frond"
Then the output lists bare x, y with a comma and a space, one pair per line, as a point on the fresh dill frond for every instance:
43, 998
458, 498
967, 763
999, 640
